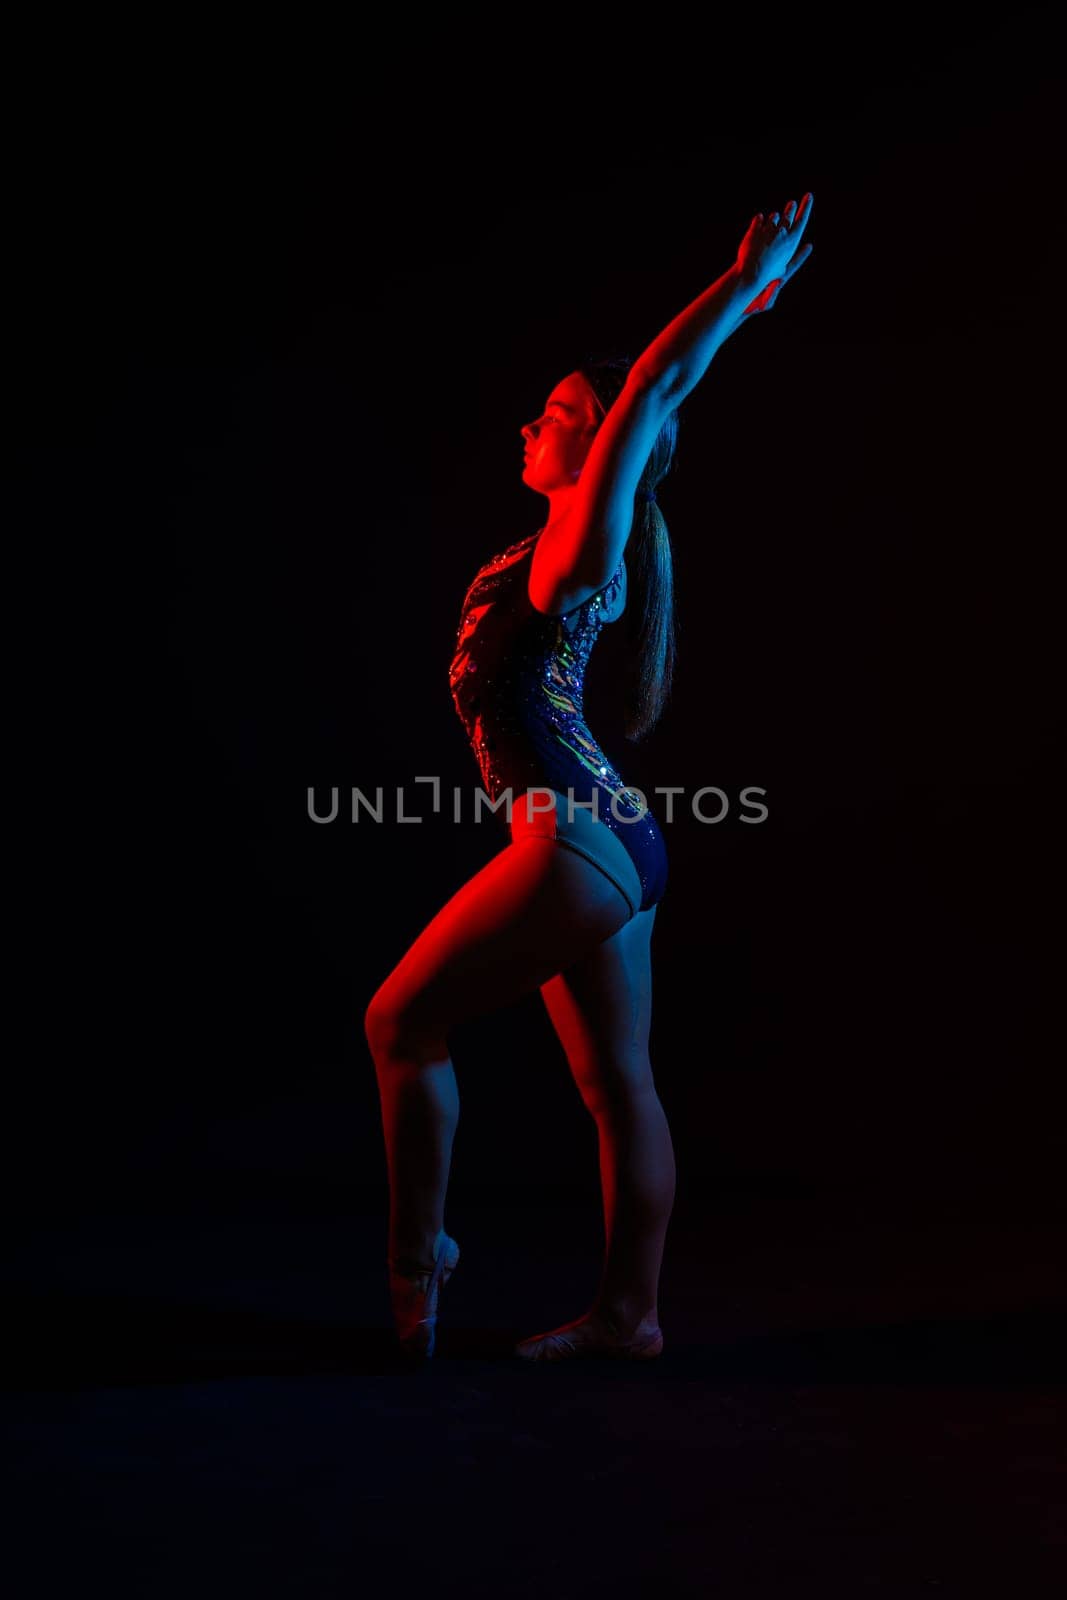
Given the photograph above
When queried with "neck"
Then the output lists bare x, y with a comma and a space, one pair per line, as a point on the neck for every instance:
560, 502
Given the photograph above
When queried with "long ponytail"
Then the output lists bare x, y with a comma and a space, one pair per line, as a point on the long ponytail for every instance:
651, 565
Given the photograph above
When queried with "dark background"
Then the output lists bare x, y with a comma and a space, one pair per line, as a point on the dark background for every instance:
278, 326
280, 304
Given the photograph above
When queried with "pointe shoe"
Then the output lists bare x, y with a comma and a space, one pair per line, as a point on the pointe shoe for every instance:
592, 1335
414, 1290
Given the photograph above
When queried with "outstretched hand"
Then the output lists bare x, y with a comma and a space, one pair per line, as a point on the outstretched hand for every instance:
771, 253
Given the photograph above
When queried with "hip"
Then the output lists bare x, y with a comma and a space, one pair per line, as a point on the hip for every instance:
629, 849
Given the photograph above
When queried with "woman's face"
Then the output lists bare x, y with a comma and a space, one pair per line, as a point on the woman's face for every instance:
558, 442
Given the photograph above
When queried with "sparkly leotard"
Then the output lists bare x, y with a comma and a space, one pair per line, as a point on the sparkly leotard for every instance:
517, 679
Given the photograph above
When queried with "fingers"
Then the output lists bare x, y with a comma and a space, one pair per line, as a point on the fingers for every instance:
799, 218
778, 234
793, 217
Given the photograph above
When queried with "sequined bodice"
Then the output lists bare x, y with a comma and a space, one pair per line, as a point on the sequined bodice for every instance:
518, 680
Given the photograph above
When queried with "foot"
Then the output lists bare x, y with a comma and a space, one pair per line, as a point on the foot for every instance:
595, 1334
414, 1288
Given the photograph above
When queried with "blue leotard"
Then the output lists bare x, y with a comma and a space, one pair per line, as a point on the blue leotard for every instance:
517, 679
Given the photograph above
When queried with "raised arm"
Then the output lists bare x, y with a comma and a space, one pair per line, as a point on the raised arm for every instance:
588, 545
767, 257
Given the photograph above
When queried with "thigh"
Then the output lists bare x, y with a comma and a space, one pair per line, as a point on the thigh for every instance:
531, 911
601, 1009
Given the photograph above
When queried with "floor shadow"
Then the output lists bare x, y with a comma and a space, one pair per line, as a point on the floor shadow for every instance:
83, 1341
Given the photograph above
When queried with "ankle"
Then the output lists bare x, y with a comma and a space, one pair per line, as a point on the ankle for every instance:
626, 1319
413, 1253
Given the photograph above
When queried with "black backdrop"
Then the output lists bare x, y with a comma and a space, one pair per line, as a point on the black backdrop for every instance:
280, 330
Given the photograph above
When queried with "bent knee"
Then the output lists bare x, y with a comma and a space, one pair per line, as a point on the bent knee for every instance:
394, 1025
614, 1083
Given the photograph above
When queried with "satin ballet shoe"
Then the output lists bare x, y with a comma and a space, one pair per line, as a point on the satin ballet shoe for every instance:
592, 1336
414, 1289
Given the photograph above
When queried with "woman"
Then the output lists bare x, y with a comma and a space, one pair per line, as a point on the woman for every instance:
568, 906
